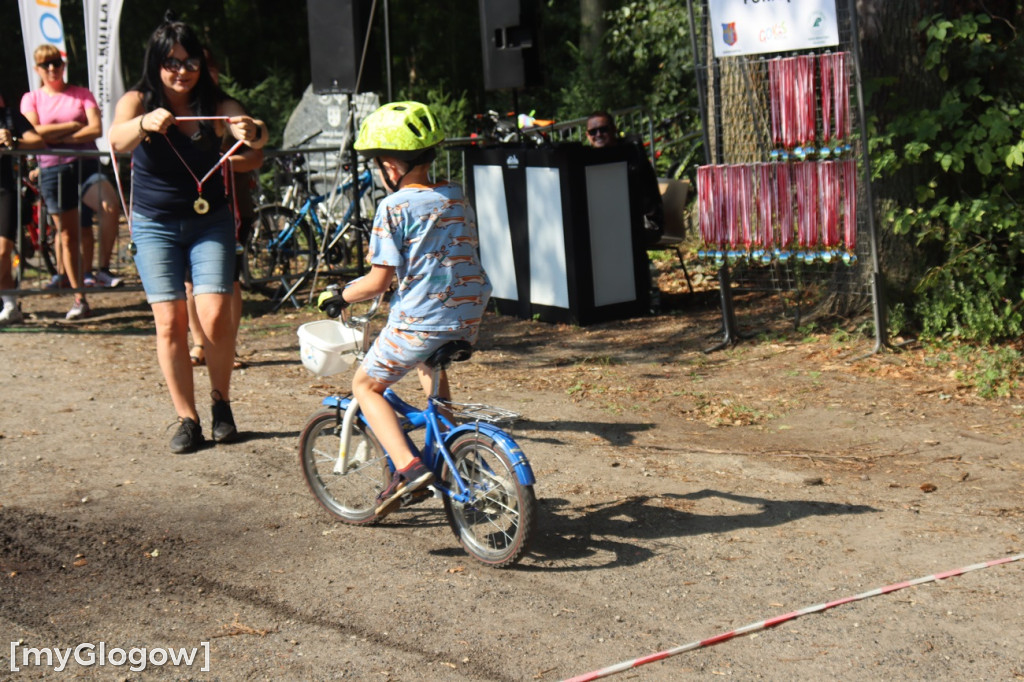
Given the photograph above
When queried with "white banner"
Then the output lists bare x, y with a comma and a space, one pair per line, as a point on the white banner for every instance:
742, 27
102, 23
41, 23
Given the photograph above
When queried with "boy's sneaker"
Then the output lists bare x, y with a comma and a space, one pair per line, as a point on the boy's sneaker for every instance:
11, 314
88, 280
188, 437
412, 478
105, 279
79, 310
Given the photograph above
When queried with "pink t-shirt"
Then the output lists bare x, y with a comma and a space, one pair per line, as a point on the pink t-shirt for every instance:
61, 107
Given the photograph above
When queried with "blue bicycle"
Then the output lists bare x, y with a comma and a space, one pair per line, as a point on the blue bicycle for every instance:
286, 246
482, 476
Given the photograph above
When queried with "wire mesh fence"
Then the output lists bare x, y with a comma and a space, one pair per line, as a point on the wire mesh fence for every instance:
783, 205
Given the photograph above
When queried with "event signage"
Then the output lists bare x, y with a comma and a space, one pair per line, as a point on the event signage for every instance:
102, 19
745, 27
41, 23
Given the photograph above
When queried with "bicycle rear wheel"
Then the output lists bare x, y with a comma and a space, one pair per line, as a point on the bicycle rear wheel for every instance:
280, 249
496, 525
350, 495
47, 238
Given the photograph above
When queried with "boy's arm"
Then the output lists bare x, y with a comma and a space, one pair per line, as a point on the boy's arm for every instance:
374, 283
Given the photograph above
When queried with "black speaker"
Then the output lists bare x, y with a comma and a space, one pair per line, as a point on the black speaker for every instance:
336, 32
507, 38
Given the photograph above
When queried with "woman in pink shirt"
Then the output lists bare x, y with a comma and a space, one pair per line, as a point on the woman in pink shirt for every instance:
68, 117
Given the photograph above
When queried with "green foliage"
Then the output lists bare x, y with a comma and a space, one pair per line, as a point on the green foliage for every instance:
968, 145
991, 372
994, 373
270, 100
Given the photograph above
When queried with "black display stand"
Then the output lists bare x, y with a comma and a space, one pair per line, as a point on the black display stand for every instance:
559, 238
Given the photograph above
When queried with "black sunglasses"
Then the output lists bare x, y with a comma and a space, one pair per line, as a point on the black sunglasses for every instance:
174, 64
54, 63
600, 130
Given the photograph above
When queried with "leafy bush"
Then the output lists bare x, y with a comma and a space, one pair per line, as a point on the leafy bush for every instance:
969, 148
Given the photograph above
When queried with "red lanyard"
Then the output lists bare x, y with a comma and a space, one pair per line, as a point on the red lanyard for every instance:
201, 205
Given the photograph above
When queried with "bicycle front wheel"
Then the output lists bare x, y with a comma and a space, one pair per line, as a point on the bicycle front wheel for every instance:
279, 250
495, 526
350, 494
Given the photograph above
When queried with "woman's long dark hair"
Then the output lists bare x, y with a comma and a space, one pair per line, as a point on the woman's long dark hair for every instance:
204, 97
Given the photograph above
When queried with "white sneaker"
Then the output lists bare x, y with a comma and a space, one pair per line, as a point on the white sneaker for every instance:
11, 314
106, 279
79, 311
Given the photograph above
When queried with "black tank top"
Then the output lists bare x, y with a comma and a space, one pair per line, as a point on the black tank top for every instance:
163, 189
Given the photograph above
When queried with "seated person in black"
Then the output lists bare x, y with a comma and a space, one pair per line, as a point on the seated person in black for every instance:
601, 132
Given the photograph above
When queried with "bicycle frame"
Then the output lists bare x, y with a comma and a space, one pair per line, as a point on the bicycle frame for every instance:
435, 446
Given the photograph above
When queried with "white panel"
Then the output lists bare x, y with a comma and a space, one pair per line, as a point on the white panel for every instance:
611, 241
495, 232
549, 284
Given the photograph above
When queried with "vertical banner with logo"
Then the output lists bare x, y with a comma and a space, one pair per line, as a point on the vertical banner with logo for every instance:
744, 27
41, 23
102, 23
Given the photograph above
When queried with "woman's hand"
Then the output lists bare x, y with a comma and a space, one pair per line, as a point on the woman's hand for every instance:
248, 130
157, 121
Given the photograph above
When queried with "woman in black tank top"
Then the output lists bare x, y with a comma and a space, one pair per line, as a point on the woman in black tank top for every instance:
173, 121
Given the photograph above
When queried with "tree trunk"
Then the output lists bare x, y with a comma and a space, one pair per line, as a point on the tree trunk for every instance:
592, 27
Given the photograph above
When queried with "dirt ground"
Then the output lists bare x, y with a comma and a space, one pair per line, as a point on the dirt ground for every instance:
682, 495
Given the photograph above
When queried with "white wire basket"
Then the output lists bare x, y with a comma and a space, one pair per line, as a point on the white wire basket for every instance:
328, 346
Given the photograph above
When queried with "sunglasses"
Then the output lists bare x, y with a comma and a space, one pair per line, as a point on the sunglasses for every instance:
55, 63
600, 130
174, 64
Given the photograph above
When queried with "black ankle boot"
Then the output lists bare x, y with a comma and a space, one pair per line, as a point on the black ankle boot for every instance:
224, 430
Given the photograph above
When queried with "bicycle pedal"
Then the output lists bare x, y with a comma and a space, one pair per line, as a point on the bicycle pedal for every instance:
417, 496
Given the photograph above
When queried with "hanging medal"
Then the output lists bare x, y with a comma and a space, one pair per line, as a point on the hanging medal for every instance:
201, 206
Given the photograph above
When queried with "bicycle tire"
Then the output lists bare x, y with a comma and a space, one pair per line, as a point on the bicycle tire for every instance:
496, 526
350, 496
268, 260
48, 245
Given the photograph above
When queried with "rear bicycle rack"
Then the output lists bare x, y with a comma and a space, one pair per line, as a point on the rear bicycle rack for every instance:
478, 412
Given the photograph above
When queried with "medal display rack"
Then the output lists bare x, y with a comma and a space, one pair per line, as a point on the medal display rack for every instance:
783, 198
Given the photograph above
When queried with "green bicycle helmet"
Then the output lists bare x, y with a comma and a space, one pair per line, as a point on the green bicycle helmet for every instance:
403, 130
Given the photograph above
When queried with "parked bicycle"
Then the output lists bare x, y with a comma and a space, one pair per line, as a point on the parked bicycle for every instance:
481, 475
286, 246
40, 234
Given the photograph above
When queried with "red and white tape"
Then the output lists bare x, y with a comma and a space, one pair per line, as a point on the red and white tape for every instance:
771, 622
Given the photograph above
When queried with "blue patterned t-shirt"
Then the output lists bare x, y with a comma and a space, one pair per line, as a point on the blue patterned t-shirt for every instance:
429, 235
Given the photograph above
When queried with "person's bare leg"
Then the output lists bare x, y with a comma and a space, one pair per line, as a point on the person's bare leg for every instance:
102, 198
214, 312
68, 228
199, 340
171, 321
381, 416
88, 241
6, 267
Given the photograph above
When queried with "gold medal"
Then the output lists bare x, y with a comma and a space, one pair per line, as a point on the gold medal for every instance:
201, 206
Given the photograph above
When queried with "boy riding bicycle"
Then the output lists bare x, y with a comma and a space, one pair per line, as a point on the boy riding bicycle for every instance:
425, 235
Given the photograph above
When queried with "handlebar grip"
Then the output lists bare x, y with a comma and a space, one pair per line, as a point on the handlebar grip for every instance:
331, 302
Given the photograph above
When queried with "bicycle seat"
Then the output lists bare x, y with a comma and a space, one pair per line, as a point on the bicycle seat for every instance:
453, 351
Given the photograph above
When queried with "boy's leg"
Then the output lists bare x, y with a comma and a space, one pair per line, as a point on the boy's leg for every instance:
370, 394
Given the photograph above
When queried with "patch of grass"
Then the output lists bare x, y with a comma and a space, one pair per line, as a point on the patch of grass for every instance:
992, 372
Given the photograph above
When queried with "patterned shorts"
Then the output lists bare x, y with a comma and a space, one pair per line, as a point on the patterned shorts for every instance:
396, 352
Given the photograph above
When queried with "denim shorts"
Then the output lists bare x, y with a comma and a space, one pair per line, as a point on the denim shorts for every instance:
396, 352
59, 187
166, 249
